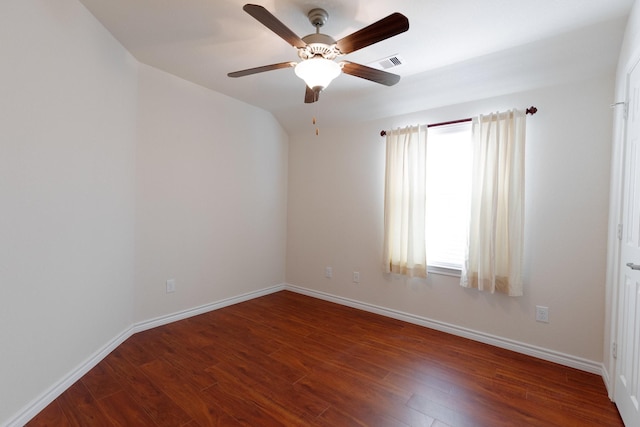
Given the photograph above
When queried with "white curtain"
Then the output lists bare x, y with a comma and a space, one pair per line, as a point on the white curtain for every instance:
496, 229
404, 249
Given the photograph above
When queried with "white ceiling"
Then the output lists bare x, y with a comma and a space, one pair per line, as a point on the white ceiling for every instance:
454, 51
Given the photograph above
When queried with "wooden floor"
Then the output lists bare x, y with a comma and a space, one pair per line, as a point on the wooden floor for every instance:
290, 360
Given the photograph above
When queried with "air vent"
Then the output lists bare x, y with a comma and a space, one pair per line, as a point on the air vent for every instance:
390, 62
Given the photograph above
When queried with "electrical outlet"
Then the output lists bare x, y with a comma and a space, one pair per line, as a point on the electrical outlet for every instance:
328, 272
542, 314
356, 277
171, 285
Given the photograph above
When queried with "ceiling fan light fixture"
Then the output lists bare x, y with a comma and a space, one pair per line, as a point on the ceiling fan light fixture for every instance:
317, 72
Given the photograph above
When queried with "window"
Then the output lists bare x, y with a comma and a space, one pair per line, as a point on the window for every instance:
427, 192
448, 189
451, 182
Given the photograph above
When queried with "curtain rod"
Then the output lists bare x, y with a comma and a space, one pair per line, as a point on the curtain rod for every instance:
531, 110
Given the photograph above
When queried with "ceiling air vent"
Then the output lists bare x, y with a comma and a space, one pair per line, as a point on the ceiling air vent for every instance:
389, 62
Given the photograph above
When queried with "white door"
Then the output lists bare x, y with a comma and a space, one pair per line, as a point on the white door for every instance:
627, 387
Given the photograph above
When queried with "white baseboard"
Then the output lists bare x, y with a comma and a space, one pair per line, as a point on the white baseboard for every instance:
174, 317
519, 347
607, 381
38, 404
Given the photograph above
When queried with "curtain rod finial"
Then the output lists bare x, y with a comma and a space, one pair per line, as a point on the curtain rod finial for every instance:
383, 132
531, 110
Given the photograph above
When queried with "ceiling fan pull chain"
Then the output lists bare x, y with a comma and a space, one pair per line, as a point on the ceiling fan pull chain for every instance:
314, 118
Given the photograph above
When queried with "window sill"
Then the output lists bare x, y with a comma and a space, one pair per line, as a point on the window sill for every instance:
443, 271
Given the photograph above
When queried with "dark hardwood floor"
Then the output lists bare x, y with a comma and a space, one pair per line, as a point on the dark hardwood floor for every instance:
289, 360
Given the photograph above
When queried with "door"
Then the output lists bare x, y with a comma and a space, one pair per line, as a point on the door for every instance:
627, 377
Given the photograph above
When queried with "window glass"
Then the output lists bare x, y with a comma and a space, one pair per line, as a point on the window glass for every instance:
448, 194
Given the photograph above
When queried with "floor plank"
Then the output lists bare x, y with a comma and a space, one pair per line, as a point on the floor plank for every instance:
290, 360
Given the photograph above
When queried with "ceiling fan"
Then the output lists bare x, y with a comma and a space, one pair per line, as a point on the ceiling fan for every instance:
317, 51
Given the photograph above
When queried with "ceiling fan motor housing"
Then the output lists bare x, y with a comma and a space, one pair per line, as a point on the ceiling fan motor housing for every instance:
318, 44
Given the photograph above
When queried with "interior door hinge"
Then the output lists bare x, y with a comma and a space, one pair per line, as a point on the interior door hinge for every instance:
625, 108
619, 231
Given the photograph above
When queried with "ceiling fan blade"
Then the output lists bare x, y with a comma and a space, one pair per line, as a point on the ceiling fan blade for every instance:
390, 26
262, 69
364, 72
271, 22
310, 95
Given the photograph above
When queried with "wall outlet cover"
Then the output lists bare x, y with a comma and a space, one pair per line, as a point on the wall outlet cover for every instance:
542, 314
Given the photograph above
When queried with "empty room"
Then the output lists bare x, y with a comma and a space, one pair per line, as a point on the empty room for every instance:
319, 213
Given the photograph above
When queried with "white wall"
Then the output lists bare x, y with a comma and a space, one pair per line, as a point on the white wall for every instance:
67, 152
210, 196
336, 219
